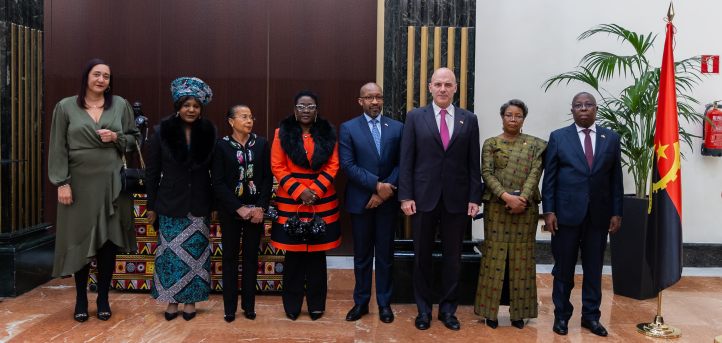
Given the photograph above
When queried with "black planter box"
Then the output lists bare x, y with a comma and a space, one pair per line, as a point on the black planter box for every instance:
26, 259
630, 272
404, 273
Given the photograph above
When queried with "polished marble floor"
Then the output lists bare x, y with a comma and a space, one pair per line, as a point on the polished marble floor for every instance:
45, 315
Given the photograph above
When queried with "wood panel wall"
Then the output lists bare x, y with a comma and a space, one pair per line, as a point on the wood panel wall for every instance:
254, 52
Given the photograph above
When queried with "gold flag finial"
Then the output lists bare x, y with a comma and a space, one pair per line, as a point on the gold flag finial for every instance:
670, 13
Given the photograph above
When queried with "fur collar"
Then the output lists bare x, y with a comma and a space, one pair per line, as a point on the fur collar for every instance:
203, 141
324, 139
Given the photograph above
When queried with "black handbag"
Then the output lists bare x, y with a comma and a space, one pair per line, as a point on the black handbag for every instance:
270, 214
304, 231
133, 179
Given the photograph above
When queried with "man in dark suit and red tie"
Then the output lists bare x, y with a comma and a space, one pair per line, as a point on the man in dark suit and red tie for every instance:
582, 201
368, 152
439, 183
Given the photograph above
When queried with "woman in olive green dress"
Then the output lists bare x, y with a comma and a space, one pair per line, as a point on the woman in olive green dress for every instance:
512, 164
89, 134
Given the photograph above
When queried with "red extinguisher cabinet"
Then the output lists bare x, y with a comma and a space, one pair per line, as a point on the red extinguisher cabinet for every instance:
712, 145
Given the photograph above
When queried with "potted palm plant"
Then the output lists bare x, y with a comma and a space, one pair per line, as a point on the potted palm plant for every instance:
632, 114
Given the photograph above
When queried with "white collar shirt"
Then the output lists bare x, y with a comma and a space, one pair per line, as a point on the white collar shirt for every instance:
449, 117
378, 124
592, 134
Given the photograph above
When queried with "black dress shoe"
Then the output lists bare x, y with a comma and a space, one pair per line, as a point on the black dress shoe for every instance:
560, 326
357, 312
492, 323
188, 316
450, 321
423, 321
250, 315
292, 316
229, 318
595, 327
386, 314
104, 316
519, 324
316, 315
80, 317
171, 316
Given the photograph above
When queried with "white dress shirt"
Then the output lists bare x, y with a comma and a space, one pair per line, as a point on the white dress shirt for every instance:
592, 134
369, 119
449, 117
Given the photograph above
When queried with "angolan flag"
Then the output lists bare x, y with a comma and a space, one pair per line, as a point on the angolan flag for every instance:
664, 238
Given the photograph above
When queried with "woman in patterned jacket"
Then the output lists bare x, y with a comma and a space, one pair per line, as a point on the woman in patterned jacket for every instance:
511, 166
304, 159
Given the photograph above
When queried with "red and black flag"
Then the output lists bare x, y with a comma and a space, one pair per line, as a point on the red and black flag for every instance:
664, 238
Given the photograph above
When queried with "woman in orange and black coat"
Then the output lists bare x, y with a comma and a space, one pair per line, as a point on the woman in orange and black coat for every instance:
304, 159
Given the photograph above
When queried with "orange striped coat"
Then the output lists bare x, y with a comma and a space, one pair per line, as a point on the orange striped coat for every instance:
292, 181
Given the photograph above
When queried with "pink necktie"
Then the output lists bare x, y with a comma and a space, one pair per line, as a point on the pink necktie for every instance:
444, 129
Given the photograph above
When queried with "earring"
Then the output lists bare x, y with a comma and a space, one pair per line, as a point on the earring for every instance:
295, 116
107, 89
231, 126
314, 119
177, 114
521, 130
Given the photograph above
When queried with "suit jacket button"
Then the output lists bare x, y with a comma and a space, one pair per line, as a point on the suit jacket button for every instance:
189, 185
587, 194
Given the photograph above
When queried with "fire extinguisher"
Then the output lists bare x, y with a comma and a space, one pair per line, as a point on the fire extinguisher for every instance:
712, 145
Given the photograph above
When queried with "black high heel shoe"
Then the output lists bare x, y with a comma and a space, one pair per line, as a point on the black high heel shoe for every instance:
104, 316
81, 317
292, 316
316, 315
492, 323
229, 318
188, 316
250, 315
519, 324
171, 316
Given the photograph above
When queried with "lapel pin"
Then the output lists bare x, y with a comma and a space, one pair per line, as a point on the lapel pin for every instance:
603, 136
461, 121
524, 143
386, 124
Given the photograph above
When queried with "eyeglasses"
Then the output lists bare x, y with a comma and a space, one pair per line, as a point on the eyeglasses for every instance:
378, 98
303, 107
510, 117
586, 104
244, 118
105, 77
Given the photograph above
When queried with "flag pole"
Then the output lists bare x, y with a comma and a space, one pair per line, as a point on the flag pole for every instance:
657, 328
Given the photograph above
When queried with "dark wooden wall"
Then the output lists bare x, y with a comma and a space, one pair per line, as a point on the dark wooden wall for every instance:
256, 52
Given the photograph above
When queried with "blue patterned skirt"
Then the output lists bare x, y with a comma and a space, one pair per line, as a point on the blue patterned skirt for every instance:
182, 270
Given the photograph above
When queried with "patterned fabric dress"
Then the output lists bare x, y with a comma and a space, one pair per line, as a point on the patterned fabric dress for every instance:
509, 239
182, 260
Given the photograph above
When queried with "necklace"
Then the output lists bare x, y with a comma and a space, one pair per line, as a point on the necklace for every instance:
507, 136
96, 104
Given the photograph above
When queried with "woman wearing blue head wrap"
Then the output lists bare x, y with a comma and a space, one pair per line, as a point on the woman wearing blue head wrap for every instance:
180, 150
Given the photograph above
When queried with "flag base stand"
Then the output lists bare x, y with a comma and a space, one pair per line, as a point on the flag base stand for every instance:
718, 339
658, 329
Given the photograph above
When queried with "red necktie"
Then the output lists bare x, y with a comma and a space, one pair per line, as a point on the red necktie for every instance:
444, 131
588, 151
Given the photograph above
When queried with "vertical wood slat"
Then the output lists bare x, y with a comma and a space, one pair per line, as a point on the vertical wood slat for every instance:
20, 123
13, 124
26, 129
410, 72
450, 48
437, 48
39, 121
424, 66
464, 66
33, 123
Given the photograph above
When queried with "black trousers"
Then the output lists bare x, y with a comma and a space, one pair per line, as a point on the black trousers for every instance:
592, 239
307, 269
372, 232
231, 230
423, 230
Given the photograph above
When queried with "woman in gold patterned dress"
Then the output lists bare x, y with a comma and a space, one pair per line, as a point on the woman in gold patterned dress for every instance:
512, 164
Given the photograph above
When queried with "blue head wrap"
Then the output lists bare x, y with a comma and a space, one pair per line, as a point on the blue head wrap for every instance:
194, 86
